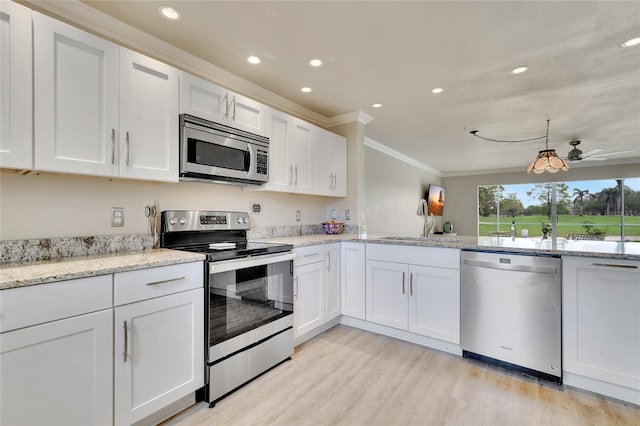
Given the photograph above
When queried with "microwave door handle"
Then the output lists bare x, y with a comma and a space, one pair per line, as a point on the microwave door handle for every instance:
247, 159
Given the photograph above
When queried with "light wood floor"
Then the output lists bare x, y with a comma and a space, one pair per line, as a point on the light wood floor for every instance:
348, 376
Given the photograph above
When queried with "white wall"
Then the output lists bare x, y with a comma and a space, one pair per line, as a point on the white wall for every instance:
461, 204
393, 190
48, 205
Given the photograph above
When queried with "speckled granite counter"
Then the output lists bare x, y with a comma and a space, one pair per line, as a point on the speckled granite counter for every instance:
22, 274
561, 246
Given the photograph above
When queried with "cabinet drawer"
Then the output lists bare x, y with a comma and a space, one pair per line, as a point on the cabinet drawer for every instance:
425, 256
155, 282
309, 254
27, 306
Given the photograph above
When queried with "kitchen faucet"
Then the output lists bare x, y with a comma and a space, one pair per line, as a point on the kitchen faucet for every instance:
423, 209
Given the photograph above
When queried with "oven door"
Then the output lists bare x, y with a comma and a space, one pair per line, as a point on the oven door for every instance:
248, 293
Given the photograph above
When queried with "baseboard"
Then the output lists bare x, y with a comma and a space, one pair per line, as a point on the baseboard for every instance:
169, 411
313, 333
452, 348
603, 388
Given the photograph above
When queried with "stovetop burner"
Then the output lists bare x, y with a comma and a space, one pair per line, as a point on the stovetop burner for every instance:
218, 234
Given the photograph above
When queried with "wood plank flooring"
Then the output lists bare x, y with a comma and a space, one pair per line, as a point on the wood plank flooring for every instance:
347, 376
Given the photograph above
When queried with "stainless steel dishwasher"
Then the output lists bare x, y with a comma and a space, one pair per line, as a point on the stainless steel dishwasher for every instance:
510, 311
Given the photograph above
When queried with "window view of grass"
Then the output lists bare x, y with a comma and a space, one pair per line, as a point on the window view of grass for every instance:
583, 209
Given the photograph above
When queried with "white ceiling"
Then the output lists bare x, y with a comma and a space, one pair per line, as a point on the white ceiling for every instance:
396, 52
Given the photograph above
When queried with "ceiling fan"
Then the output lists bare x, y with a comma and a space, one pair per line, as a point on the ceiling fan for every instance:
595, 154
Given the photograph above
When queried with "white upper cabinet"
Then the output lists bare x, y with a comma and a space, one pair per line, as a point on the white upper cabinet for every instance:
331, 164
101, 109
291, 146
16, 141
76, 99
204, 99
148, 118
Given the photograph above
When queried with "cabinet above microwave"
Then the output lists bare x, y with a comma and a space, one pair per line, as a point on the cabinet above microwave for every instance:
203, 99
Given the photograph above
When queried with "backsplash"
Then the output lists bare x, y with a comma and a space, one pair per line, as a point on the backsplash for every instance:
50, 248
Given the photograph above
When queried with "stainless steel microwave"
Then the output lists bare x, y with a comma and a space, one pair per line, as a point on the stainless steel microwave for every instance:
216, 153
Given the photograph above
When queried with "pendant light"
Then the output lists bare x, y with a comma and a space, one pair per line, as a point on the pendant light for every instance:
547, 160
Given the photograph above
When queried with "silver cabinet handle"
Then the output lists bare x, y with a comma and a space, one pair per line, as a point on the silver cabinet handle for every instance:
335, 181
330, 181
113, 146
296, 292
126, 341
411, 284
613, 265
128, 141
403, 283
226, 105
295, 168
166, 281
290, 175
328, 262
233, 102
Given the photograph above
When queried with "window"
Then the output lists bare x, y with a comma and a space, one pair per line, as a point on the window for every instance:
607, 209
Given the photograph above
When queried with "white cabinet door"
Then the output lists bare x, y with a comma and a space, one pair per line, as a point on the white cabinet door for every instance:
434, 302
308, 296
387, 293
148, 118
58, 373
353, 280
16, 78
279, 133
203, 99
247, 114
206, 100
159, 353
330, 164
300, 151
76, 99
333, 295
601, 320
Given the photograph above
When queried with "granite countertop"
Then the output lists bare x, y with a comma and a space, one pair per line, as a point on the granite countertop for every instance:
22, 274
559, 246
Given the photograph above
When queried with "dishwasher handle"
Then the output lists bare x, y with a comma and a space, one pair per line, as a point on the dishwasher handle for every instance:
538, 269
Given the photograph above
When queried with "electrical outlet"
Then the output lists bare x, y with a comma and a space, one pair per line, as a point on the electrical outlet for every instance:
256, 207
334, 214
347, 215
117, 216
297, 215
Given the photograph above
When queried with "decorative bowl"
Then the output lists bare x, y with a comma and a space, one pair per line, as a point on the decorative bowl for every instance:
333, 227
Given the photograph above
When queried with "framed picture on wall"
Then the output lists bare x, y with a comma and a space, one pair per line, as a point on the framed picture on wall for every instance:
435, 200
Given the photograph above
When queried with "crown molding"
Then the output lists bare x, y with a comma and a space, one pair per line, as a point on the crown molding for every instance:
400, 156
92, 20
350, 117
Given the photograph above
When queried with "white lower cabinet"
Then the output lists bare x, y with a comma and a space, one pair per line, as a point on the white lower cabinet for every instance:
317, 293
56, 362
333, 294
601, 326
158, 342
353, 280
419, 298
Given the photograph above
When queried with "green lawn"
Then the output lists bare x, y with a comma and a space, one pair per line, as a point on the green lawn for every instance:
566, 224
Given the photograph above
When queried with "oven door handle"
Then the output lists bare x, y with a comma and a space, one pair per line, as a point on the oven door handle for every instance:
248, 262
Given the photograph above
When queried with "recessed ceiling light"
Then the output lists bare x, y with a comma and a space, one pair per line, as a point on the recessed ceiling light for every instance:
633, 42
254, 60
315, 62
437, 90
305, 89
377, 105
519, 70
170, 13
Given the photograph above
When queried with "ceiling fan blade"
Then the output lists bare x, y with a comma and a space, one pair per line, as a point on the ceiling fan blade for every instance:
594, 158
592, 152
610, 153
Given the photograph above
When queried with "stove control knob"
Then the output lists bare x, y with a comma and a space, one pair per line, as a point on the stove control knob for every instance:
239, 220
245, 220
172, 221
182, 221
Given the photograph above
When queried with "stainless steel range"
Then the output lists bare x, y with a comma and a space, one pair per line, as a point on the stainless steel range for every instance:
249, 308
